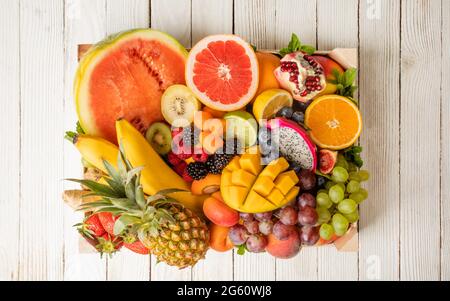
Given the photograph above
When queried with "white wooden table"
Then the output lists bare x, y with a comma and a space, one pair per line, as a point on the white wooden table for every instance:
404, 94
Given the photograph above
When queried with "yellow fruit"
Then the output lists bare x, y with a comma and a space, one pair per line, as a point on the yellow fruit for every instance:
156, 175
95, 149
246, 188
243, 178
286, 181
269, 102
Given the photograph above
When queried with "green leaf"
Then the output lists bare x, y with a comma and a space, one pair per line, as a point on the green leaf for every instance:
352, 154
123, 222
241, 249
112, 210
253, 47
70, 136
294, 43
308, 49
97, 188
118, 188
123, 203
130, 190
79, 129
323, 175
284, 51
133, 173
140, 197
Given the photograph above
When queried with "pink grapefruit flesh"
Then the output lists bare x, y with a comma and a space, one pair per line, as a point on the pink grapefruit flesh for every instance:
222, 70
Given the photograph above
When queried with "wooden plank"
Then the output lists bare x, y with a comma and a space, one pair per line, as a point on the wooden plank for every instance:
211, 17
84, 23
10, 133
216, 266
42, 92
445, 142
254, 21
337, 26
173, 17
304, 265
127, 14
122, 15
379, 90
419, 138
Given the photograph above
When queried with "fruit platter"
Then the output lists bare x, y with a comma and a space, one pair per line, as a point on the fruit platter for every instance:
219, 147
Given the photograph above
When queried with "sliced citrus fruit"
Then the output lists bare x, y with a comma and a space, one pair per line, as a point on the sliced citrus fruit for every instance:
268, 103
334, 120
267, 62
222, 71
243, 126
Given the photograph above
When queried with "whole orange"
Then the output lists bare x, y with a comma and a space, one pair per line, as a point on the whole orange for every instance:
267, 62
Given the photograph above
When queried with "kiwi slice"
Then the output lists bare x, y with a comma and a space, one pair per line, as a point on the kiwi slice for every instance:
160, 137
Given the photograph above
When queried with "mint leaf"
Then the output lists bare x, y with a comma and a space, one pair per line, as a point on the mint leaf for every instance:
296, 45
308, 49
352, 154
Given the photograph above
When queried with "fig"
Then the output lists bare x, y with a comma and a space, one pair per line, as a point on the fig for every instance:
327, 160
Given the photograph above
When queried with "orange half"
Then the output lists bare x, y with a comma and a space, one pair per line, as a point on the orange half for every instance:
334, 122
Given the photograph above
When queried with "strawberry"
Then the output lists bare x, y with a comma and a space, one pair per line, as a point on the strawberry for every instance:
108, 244
107, 219
91, 227
180, 168
137, 247
186, 176
199, 155
173, 159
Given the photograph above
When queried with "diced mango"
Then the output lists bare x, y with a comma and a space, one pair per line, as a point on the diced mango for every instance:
255, 203
225, 180
275, 168
292, 194
251, 163
285, 181
236, 195
234, 164
263, 185
276, 197
242, 178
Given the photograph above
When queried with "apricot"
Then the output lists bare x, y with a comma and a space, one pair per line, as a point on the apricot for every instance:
210, 142
219, 240
267, 63
215, 126
283, 248
218, 212
207, 185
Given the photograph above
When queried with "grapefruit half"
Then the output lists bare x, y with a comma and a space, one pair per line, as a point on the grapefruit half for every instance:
222, 71
124, 76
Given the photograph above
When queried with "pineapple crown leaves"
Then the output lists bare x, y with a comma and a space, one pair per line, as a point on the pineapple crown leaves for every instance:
72, 135
296, 45
345, 82
123, 196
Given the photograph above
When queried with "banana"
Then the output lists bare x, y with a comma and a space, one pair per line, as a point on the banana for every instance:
156, 175
95, 149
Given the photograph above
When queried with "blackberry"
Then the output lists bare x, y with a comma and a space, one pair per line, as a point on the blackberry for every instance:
231, 147
216, 163
197, 170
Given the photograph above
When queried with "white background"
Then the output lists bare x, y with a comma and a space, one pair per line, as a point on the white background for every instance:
404, 95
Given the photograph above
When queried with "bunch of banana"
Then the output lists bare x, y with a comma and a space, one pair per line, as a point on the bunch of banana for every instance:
156, 175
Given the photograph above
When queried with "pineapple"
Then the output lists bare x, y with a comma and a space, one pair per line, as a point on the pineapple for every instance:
173, 233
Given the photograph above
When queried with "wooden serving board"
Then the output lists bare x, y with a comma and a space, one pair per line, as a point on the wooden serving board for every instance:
347, 58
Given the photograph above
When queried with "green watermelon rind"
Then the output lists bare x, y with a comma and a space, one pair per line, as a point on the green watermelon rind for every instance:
99, 51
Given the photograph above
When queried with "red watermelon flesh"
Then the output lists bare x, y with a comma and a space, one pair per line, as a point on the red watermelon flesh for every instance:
127, 81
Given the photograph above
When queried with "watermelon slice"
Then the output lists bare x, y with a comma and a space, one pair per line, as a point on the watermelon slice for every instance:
124, 76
